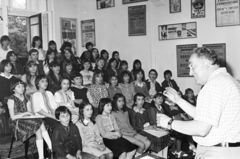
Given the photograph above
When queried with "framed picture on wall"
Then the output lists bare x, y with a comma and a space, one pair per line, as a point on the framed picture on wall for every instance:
132, 1
137, 20
183, 54
220, 50
88, 32
69, 32
101, 4
227, 13
177, 31
175, 6
198, 9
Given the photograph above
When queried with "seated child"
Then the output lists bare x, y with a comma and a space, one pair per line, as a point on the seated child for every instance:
109, 130
66, 97
122, 119
127, 88
43, 102
189, 96
140, 86
140, 122
173, 111
66, 139
97, 91
152, 85
20, 107
87, 73
168, 82
92, 141
113, 87
79, 91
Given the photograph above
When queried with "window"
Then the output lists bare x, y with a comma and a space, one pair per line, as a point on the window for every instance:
20, 4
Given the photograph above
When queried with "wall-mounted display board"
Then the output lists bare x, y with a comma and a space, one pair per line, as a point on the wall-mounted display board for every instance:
137, 20
220, 50
198, 8
183, 54
88, 32
101, 4
177, 31
132, 1
175, 6
69, 32
227, 12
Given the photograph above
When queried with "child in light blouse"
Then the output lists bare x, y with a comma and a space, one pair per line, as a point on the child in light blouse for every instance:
92, 142
109, 130
66, 97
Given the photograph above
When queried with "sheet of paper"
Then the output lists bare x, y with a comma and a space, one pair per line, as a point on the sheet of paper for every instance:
159, 133
147, 157
32, 117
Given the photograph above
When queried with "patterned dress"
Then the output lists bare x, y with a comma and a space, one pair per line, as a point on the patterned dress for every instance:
23, 128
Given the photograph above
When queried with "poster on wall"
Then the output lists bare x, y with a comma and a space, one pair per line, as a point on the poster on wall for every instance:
137, 20
220, 50
69, 33
227, 12
101, 4
177, 31
88, 32
198, 8
175, 6
132, 1
183, 54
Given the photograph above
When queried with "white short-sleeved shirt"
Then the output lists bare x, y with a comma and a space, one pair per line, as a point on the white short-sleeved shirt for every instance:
87, 77
218, 104
38, 102
3, 53
66, 98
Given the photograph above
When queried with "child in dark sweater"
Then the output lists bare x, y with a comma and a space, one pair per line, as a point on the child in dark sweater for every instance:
66, 138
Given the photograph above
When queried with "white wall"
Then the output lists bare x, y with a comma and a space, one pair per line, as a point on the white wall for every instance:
207, 33
112, 34
62, 9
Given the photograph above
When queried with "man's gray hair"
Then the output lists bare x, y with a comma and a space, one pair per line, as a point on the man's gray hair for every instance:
208, 54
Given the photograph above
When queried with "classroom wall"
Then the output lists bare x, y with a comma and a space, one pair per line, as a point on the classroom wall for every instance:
62, 9
207, 33
112, 34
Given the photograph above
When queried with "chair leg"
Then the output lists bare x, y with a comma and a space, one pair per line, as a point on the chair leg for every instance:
26, 148
9, 153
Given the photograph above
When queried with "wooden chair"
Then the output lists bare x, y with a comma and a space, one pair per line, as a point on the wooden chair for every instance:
26, 145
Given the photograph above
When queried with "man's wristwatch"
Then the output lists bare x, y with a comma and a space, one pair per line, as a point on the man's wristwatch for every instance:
169, 127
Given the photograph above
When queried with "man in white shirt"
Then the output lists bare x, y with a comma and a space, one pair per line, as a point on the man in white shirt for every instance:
216, 124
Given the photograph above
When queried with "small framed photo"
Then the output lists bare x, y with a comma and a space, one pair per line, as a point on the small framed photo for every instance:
198, 9
175, 6
101, 4
177, 31
132, 1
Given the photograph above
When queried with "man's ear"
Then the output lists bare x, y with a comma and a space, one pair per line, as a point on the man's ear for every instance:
207, 63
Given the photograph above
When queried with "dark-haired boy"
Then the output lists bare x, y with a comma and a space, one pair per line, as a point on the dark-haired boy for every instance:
66, 139
168, 82
33, 56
